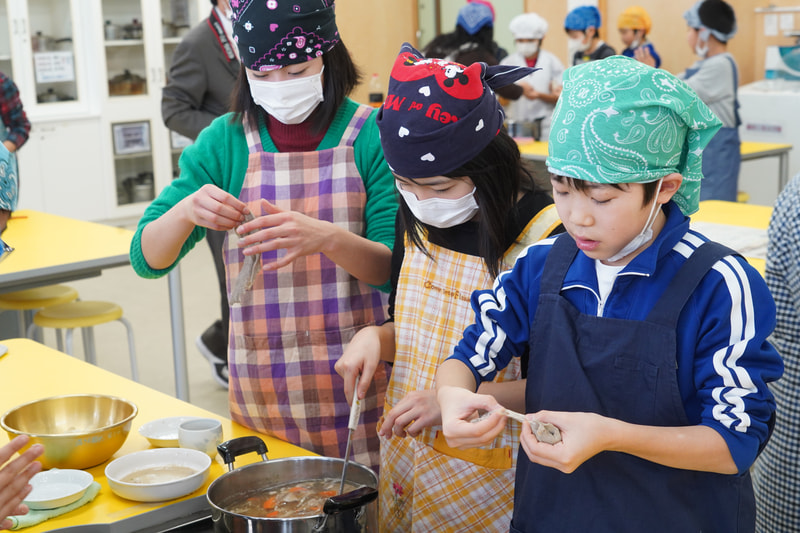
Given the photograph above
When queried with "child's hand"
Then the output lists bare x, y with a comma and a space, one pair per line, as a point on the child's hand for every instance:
14, 477
583, 435
360, 358
298, 234
459, 407
415, 412
213, 208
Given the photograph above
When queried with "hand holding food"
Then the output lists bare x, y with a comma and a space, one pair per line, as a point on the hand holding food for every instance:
213, 208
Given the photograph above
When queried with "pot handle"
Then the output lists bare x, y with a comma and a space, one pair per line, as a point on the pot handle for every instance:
350, 500
231, 449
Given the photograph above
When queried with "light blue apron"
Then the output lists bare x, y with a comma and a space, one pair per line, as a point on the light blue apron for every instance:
722, 157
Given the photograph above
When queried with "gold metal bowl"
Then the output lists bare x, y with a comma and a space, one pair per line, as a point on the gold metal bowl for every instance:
78, 431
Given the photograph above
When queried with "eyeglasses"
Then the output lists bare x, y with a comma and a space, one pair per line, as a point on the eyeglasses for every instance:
5, 249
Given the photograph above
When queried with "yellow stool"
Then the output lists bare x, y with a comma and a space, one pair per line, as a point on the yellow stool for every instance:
29, 300
84, 315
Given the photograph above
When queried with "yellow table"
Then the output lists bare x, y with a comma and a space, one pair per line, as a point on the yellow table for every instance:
537, 151
32, 371
736, 214
53, 249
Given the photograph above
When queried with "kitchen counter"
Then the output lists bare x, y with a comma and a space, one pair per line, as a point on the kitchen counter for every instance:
32, 371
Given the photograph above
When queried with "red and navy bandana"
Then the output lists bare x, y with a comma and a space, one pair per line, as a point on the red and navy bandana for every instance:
438, 114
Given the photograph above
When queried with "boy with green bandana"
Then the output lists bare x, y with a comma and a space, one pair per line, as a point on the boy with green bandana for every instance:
647, 341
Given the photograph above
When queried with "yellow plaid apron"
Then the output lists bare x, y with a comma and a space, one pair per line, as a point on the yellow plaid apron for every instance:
291, 327
425, 485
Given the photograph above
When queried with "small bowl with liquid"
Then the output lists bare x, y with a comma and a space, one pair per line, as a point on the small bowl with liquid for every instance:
158, 474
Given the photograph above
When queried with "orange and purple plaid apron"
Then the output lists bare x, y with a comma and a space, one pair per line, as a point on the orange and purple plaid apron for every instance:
292, 325
425, 485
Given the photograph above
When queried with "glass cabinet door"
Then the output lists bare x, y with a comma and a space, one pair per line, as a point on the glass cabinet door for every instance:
52, 29
123, 33
6, 29
133, 162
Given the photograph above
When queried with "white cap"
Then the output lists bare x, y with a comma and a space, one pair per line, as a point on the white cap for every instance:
528, 26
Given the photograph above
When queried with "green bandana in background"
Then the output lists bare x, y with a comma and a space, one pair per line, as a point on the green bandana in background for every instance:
620, 121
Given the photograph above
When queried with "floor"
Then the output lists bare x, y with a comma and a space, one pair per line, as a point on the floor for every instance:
145, 304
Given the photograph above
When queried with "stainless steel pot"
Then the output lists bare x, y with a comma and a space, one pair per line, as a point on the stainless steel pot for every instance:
351, 512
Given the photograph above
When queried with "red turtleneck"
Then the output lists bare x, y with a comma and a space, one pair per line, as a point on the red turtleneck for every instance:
293, 137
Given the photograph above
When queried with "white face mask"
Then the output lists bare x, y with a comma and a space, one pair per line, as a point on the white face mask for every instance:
441, 212
644, 236
527, 49
290, 101
575, 45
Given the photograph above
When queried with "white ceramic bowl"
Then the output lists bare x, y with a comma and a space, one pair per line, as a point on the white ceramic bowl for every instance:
163, 432
56, 488
158, 474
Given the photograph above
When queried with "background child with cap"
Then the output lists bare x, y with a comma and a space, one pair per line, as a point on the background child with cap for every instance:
306, 161
474, 31
543, 87
467, 208
647, 342
715, 79
634, 24
584, 42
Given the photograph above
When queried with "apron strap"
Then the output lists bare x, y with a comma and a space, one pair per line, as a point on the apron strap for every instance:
735, 91
561, 255
669, 306
354, 126
253, 135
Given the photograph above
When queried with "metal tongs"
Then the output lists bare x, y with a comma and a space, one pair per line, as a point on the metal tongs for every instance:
543, 431
355, 414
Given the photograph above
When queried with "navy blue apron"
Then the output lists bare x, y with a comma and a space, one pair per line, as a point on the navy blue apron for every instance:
722, 156
623, 369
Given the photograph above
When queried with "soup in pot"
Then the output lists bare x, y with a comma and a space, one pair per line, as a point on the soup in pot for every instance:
291, 500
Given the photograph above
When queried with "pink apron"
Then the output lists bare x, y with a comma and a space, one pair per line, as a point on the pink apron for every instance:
292, 325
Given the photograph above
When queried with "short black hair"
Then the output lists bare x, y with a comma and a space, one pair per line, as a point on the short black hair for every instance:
717, 15
650, 188
340, 77
213, 2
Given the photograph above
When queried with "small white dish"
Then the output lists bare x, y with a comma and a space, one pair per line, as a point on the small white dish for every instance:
157, 475
163, 432
57, 487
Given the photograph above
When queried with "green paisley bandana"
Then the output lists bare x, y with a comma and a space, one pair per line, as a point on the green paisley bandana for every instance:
620, 121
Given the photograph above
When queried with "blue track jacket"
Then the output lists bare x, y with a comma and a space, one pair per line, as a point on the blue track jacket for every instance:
724, 361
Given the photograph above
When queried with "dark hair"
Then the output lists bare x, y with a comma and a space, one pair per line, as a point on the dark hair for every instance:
717, 15
650, 187
213, 2
339, 79
499, 176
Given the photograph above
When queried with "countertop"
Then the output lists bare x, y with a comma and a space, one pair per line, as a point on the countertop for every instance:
31, 371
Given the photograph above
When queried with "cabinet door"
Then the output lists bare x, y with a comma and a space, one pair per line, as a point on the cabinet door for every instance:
61, 171
9, 27
50, 51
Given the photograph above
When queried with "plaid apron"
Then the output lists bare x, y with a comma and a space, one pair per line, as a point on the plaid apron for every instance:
292, 325
425, 485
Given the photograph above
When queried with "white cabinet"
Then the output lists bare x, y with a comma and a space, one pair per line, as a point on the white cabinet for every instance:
106, 62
